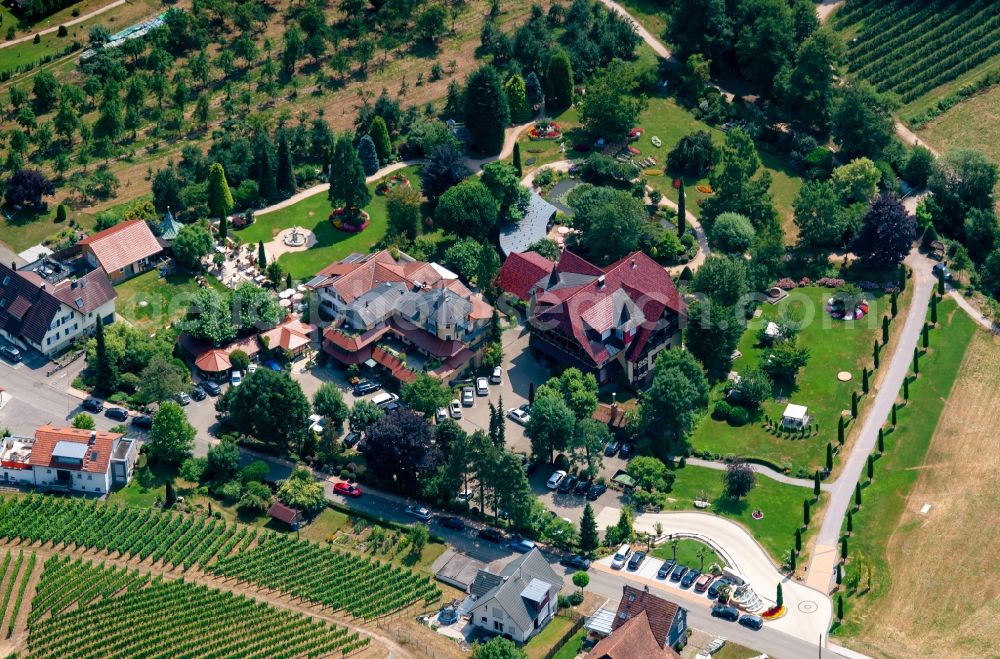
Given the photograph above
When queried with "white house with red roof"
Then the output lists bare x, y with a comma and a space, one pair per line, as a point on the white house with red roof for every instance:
604, 321
122, 251
69, 459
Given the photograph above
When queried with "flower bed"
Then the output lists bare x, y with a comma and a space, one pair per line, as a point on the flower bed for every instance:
788, 284
704, 188
338, 221
397, 181
774, 612
545, 130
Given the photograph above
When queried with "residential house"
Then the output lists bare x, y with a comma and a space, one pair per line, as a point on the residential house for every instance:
644, 626
122, 251
42, 307
400, 305
213, 362
70, 460
519, 601
607, 321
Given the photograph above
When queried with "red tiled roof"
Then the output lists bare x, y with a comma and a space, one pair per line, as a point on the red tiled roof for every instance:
87, 293
632, 640
354, 342
521, 271
214, 361
123, 244
394, 364
19, 307
610, 415
283, 513
659, 612
47, 437
290, 335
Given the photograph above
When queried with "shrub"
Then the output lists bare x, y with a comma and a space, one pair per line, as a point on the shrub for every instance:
562, 462
721, 411
738, 416
732, 233
575, 598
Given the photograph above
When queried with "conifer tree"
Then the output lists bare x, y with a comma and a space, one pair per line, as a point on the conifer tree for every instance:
285, 176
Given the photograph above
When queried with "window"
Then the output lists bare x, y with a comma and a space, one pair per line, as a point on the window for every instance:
498, 626
48, 471
484, 618
3, 303
90, 477
6, 280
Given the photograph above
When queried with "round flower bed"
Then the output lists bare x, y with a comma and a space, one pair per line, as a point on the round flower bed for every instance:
337, 218
757, 514
397, 181
545, 131
704, 188
836, 308
774, 613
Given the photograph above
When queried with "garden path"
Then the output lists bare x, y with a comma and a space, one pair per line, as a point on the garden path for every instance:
78, 19
764, 471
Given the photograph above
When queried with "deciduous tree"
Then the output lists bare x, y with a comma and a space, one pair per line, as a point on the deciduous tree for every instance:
739, 479
401, 451
171, 438
887, 232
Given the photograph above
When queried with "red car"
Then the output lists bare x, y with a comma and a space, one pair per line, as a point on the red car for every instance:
347, 490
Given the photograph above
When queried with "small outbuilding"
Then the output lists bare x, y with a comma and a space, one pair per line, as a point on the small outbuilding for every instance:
282, 513
772, 332
795, 416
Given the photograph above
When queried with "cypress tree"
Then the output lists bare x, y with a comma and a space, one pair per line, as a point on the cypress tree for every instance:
288, 280
559, 83
779, 598
894, 307
840, 430
380, 138
105, 371
263, 166
864, 380
60, 213
517, 98
934, 310
517, 159
533, 88
843, 548
805, 512
589, 539
837, 573
850, 522
881, 441
906, 388
285, 175
368, 155
220, 198
894, 415
925, 336
875, 353
857, 494
829, 456
885, 329
854, 404
348, 188
816, 485
261, 255
791, 562
681, 211
798, 540
870, 467
840, 608
902, 277
916, 361
940, 281
169, 495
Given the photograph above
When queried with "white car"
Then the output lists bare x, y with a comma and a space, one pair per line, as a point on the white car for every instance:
317, 423
441, 414
251, 368
236, 379
482, 387
556, 478
455, 408
517, 415
497, 375
467, 399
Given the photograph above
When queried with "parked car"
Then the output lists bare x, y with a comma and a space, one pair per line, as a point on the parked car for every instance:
251, 367
678, 573
211, 388
365, 387
441, 415
750, 621
497, 376
942, 268
491, 535
464, 496
383, 400
347, 490
390, 406
703, 582
526, 408
521, 545
581, 488
627, 451
713, 590
613, 447
517, 415
467, 397
143, 422
729, 613
198, 393
116, 413
567, 484
183, 398
618, 560
690, 577
576, 561
317, 423
482, 387
351, 439
454, 523
236, 379
636, 560
595, 491
455, 408
419, 512
93, 405
555, 479
665, 569
11, 353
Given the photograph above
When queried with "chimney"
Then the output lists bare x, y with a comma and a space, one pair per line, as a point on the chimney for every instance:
646, 588
634, 264
72, 284
624, 587
600, 281
93, 437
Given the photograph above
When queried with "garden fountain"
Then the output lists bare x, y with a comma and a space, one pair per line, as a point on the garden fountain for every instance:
295, 238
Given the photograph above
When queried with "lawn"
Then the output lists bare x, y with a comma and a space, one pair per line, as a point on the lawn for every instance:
973, 123
950, 419
650, 13
834, 346
573, 646
546, 639
780, 503
688, 553
332, 244
167, 298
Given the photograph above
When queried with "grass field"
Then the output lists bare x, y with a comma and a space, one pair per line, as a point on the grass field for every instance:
688, 553
540, 644
332, 244
780, 503
573, 646
166, 299
973, 123
915, 604
834, 346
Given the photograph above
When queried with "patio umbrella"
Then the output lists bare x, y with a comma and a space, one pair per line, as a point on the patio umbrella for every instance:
285, 303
